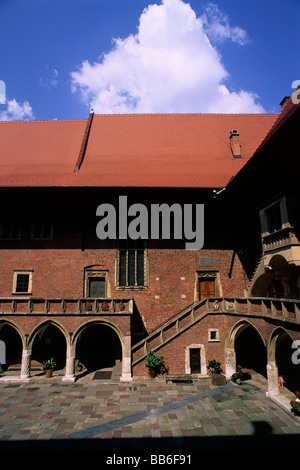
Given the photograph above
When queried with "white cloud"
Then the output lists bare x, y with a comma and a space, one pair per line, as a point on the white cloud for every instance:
217, 26
170, 65
16, 111
50, 78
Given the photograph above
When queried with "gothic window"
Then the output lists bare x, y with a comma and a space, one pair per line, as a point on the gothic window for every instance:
131, 263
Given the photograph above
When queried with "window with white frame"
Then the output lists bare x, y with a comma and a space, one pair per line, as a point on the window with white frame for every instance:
213, 334
22, 282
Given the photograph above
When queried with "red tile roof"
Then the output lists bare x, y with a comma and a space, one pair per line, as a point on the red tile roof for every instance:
288, 109
139, 150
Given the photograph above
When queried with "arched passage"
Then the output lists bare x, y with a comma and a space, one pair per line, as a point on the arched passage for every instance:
13, 345
49, 341
280, 280
98, 346
250, 350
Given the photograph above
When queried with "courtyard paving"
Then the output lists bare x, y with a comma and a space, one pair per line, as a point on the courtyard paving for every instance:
143, 416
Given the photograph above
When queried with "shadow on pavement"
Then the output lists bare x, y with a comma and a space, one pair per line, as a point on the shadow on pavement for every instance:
262, 440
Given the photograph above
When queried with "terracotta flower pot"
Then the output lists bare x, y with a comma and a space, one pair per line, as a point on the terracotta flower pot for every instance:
48, 373
151, 373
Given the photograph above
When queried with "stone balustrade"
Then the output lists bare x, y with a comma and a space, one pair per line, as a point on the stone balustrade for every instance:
65, 306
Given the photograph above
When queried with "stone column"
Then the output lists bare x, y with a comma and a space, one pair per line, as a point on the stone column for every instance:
25, 366
272, 373
230, 361
126, 360
70, 365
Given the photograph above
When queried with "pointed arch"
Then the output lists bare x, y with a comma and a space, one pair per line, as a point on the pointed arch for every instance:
42, 325
281, 355
14, 341
5, 321
237, 329
49, 339
245, 347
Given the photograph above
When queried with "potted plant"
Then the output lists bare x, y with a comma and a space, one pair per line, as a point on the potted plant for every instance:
49, 366
296, 404
154, 362
214, 366
215, 370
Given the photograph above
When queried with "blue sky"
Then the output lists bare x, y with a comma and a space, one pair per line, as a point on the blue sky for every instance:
59, 58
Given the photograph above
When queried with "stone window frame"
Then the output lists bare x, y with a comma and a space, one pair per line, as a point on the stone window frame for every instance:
202, 358
117, 266
217, 338
92, 273
15, 278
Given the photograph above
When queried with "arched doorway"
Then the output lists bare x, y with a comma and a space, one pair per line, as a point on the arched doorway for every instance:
49, 341
13, 346
250, 350
98, 347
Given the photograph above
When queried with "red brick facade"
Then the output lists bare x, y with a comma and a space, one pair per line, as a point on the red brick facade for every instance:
60, 267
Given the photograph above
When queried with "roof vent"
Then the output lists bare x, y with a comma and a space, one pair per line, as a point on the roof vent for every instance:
235, 143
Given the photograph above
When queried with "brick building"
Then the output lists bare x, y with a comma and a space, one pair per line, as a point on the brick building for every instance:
65, 293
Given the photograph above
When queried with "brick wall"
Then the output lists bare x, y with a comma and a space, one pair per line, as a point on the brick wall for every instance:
172, 276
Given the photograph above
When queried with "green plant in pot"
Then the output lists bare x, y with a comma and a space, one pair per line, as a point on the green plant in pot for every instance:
214, 366
154, 362
49, 367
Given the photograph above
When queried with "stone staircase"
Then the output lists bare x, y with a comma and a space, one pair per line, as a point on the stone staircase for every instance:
170, 329
284, 309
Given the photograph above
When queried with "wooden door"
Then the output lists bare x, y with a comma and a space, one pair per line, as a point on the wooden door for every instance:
195, 363
206, 287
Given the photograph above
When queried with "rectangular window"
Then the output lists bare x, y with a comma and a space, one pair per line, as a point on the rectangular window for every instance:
97, 287
95, 283
213, 334
22, 282
274, 219
131, 263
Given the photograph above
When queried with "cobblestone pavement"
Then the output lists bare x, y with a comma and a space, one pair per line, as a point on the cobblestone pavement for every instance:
142, 416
